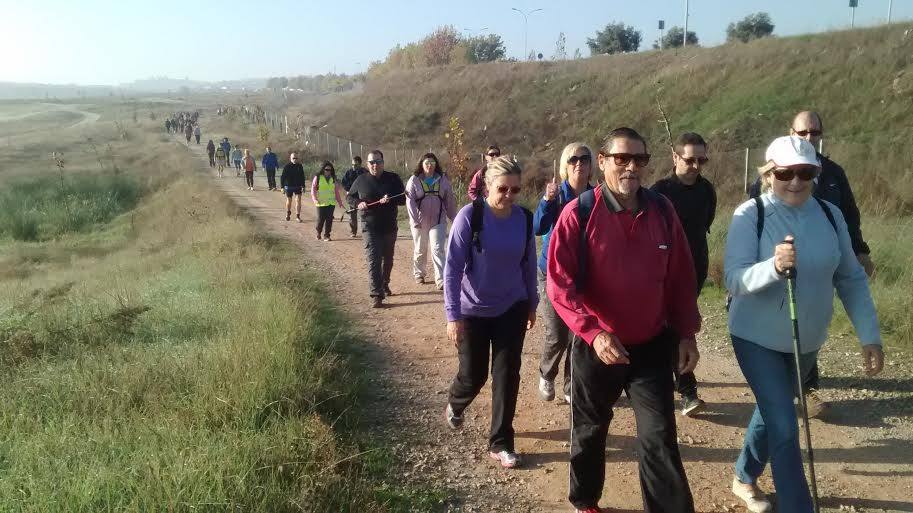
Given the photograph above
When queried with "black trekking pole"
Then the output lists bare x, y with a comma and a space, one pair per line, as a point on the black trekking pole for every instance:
353, 209
791, 294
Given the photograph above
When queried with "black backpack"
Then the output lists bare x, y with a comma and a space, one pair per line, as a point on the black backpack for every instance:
585, 204
475, 225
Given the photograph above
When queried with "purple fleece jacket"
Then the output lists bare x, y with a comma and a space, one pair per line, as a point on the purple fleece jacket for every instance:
499, 277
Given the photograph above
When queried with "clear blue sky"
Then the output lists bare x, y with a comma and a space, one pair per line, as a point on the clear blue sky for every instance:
110, 42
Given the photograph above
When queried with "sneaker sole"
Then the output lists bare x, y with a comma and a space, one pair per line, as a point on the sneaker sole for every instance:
694, 410
452, 425
546, 397
501, 462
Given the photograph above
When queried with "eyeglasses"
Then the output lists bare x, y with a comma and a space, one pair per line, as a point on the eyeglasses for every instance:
803, 133
623, 159
428, 161
493, 154
804, 173
583, 159
328, 169
376, 161
503, 189
690, 161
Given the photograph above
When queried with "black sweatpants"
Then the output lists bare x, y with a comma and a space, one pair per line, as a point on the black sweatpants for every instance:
353, 220
502, 336
212, 160
271, 177
325, 219
647, 380
379, 249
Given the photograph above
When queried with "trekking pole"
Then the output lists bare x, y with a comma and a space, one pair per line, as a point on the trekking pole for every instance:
349, 211
791, 294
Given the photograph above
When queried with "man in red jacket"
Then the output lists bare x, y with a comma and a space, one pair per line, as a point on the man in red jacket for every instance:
624, 290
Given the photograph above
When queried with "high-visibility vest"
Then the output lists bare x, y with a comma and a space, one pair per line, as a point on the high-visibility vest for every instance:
326, 191
433, 190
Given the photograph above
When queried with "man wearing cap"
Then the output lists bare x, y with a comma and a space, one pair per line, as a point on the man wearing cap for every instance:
832, 186
620, 275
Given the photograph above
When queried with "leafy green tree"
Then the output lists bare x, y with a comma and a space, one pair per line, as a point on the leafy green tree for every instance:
485, 48
673, 39
615, 38
753, 26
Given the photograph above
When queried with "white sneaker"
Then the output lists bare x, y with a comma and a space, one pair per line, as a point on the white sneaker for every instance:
507, 459
546, 389
755, 500
453, 420
567, 398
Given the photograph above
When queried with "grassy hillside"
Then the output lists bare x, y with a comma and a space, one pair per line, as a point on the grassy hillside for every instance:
737, 96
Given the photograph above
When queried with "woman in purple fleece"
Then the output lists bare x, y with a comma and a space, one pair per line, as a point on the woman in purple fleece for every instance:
490, 299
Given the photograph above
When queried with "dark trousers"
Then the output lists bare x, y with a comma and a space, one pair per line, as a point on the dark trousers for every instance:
557, 341
353, 220
379, 251
502, 336
647, 380
271, 177
249, 176
325, 219
212, 160
197, 138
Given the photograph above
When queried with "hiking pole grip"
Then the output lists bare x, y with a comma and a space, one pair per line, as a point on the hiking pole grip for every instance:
800, 385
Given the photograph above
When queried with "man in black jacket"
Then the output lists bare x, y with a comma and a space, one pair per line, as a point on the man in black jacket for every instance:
832, 186
347, 180
694, 199
292, 181
377, 194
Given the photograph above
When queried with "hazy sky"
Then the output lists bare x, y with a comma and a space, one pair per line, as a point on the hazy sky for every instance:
110, 42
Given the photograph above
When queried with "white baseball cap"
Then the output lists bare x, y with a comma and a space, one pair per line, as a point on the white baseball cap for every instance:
792, 150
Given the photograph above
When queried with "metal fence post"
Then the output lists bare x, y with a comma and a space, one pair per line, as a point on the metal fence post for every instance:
745, 180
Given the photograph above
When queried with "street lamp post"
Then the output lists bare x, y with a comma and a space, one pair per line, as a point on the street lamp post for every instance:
890, 8
685, 35
853, 5
525, 27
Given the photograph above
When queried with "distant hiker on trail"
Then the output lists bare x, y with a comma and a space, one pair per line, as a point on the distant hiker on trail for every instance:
226, 147
249, 164
188, 132
221, 160
430, 203
476, 187
292, 181
627, 290
575, 169
167, 126
694, 199
347, 180
760, 249
211, 151
832, 186
197, 132
377, 195
270, 162
326, 194
236, 156
490, 301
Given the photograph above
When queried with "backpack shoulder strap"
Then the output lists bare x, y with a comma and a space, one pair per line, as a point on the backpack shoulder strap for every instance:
662, 204
828, 213
529, 233
585, 203
759, 204
475, 228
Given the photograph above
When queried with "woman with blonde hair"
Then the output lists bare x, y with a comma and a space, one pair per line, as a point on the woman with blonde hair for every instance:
490, 301
430, 203
575, 169
785, 231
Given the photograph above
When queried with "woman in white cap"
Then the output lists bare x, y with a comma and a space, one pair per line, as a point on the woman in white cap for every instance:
795, 231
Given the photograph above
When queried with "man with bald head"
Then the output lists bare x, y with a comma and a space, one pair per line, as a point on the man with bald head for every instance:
832, 186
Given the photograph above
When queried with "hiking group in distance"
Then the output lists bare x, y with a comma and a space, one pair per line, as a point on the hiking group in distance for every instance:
618, 276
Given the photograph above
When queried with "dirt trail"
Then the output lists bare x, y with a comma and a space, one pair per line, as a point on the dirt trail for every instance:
863, 448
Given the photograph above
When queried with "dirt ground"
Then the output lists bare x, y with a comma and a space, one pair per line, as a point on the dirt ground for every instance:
863, 445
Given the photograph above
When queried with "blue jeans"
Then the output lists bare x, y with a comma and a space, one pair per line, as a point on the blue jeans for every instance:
773, 433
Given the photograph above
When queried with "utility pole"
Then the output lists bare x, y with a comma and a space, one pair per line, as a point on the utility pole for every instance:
685, 35
662, 25
853, 5
890, 8
525, 27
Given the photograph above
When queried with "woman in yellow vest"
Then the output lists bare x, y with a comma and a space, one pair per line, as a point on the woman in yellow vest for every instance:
325, 193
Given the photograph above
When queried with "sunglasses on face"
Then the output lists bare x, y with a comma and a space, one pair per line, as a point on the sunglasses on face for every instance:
583, 159
803, 133
376, 161
428, 162
623, 159
804, 173
494, 155
327, 170
503, 189
691, 161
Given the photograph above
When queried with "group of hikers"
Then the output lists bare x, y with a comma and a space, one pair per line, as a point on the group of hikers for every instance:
618, 277
185, 123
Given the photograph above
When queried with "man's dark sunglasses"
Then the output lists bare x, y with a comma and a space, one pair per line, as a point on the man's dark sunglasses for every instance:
493, 154
623, 159
803, 133
583, 159
376, 161
804, 173
694, 160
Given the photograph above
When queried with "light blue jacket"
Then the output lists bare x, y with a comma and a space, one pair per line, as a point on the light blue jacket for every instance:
824, 261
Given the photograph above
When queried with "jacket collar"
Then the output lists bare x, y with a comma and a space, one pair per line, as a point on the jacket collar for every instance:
614, 206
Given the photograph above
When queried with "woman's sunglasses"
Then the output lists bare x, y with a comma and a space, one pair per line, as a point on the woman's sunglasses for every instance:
503, 189
804, 173
583, 159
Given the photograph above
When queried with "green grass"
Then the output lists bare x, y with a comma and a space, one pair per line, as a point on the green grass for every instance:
165, 357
